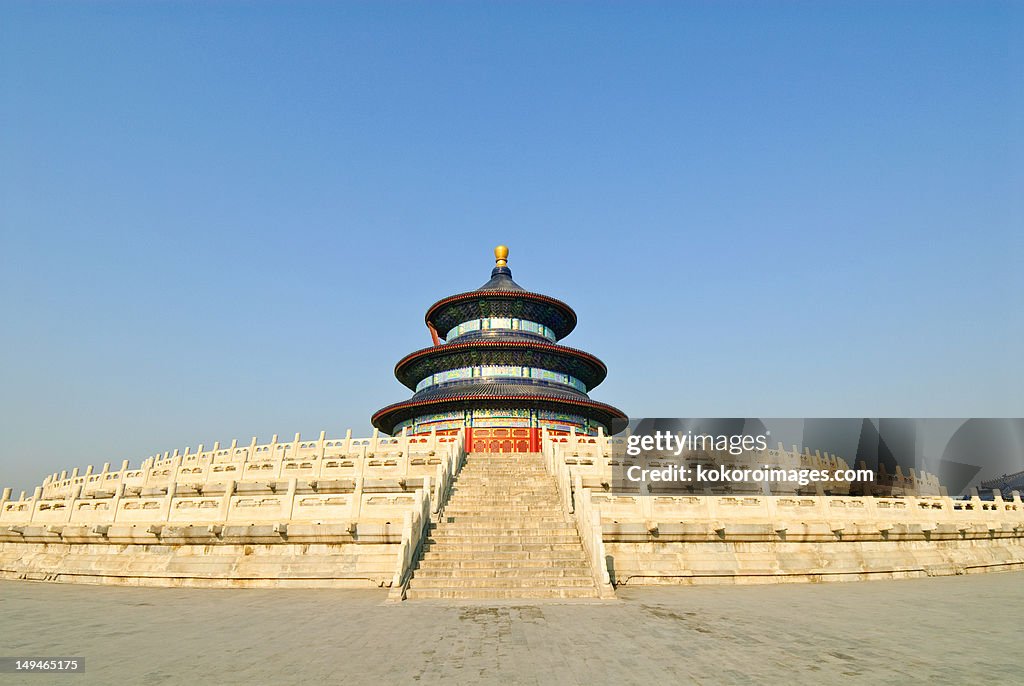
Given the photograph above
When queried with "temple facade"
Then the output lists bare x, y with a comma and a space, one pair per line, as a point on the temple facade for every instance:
497, 370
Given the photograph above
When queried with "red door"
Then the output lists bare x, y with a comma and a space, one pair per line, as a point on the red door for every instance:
502, 440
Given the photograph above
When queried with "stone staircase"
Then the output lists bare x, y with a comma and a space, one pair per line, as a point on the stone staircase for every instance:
503, 534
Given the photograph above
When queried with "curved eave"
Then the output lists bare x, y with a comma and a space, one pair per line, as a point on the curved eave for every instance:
405, 374
385, 419
561, 328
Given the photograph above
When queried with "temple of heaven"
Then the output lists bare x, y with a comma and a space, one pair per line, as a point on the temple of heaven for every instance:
497, 370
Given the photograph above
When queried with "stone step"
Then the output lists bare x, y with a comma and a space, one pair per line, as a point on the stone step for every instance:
510, 556
517, 476
539, 475
498, 488
506, 497
505, 465
448, 573
502, 489
461, 539
479, 458
482, 521
509, 491
505, 470
519, 511
501, 547
525, 480
437, 564
483, 529
495, 528
503, 582
526, 515
501, 533
503, 529
499, 593
466, 498
524, 475
500, 504
501, 498
477, 467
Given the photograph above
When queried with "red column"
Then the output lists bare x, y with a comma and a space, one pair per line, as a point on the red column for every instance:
534, 440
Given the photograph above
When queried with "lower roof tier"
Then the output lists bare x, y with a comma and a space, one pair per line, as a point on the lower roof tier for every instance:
491, 395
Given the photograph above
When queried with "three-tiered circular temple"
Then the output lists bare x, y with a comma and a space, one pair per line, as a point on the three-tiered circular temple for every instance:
499, 372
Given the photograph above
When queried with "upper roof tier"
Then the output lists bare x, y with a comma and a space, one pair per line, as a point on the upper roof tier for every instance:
501, 297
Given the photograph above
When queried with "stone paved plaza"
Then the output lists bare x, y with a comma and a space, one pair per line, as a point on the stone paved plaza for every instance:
955, 630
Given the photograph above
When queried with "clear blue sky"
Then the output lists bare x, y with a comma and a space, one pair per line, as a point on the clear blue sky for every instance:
222, 220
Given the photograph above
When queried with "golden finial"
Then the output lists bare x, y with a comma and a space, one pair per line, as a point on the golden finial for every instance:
501, 256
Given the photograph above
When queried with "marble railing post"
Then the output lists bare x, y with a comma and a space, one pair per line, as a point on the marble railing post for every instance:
76, 491
116, 502
295, 455
646, 506
36, 497
320, 463
357, 498
165, 508
404, 444
225, 503
711, 511
293, 484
